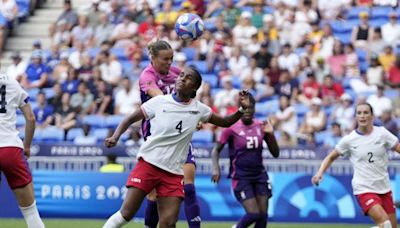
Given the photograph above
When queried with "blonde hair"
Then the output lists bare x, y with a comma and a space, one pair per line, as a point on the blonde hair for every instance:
156, 46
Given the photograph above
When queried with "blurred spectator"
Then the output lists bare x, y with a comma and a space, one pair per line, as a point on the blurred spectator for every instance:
53, 58
86, 69
263, 56
112, 166
351, 63
326, 43
199, 6
17, 68
9, 10
186, 7
331, 91
124, 32
76, 55
335, 135
257, 15
70, 85
329, 9
85, 139
393, 79
111, 69
225, 100
43, 112
103, 103
243, 31
237, 61
288, 59
391, 30
82, 33
230, 13
287, 86
273, 72
321, 69
253, 47
376, 45
127, 97
286, 140
137, 68
285, 119
117, 13
309, 89
55, 101
388, 122
206, 43
67, 15
379, 102
315, 118
270, 34
343, 113
361, 34
60, 72
167, 15
65, 116
135, 138
62, 36
337, 61
294, 31
82, 100
217, 56
316, 34
94, 13
103, 30
36, 74
388, 58
148, 28
253, 72
375, 74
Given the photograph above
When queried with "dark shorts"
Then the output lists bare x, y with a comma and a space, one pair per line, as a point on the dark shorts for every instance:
190, 157
146, 177
14, 166
367, 200
247, 189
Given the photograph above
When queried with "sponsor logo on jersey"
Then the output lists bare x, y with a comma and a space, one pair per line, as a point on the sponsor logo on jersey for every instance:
369, 202
193, 112
136, 180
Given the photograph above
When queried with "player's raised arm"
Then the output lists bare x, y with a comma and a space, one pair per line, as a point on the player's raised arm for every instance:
29, 127
270, 139
326, 163
226, 121
128, 120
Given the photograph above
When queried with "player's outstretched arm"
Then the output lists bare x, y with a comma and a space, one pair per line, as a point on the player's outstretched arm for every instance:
270, 139
227, 121
216, 173
29, 128
326, 163
128, 120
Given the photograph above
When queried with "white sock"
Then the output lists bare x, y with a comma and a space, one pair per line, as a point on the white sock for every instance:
32, 217
386, 224
116, 220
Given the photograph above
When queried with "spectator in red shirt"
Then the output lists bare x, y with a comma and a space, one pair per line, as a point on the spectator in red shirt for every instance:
331, 90
393, 79
199, 7
309, 89
148, 28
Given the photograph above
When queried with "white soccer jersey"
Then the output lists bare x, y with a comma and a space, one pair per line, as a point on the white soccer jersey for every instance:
12, 96
368, 154
172, 126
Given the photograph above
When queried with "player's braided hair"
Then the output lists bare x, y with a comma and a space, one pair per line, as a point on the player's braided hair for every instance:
156, 46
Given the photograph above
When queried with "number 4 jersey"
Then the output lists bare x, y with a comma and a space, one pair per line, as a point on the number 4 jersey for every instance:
245, 150
12, 97
368, 154
172, 127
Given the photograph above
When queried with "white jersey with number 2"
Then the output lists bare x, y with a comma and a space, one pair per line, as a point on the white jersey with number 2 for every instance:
172, 126
368, 154
12, 97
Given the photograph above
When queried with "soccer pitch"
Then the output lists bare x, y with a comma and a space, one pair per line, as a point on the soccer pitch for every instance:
64, 223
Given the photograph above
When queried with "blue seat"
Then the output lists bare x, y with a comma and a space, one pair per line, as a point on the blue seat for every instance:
113, 121
52, 134
263, 109
214, 91
341, 27
144, 63
73, 133
301, 110
209, 25
378, 22
32, 93
92, 52
3, 20
119, 53
380, 12
204, 137
236, 83
49, 92
344, 38
246, 9
100, 133
126, 66
268, 10
20, 121
391, 93
321, 136
94, 121
361, 54
211, 79
200, 65
190, 53
354, 12
363, 66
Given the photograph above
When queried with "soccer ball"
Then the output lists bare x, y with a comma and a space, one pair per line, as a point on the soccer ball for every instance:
189, 26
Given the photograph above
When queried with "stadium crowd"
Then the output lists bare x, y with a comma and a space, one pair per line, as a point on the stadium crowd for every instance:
307, 62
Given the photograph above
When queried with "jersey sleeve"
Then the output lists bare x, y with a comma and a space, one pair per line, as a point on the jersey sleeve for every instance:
343, 146
389, 139
149, 108
206, 113
147, 81
225, 135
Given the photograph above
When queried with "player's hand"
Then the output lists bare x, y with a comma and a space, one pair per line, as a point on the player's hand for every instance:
316, 179
27, 152
110, 142
216, 176
268, 128
244, 99
199, 126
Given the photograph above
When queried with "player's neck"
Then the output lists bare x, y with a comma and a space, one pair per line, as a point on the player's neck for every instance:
364, 130
181, 97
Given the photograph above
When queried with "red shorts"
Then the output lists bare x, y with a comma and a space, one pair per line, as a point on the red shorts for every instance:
367, 200
14, 166
146, 176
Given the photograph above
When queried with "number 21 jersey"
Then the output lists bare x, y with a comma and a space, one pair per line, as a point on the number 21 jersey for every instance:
12, 97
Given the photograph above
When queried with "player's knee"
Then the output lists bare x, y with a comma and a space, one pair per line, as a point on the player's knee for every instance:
126, 214
168, 221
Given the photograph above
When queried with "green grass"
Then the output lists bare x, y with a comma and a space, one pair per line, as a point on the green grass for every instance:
63, 223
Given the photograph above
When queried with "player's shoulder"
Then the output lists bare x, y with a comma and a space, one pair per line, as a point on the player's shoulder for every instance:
8, 81
148, 71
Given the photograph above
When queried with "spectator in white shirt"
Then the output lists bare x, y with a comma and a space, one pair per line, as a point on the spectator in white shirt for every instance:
237, 62
111, 69
379, 102
243, 31
227, 97
391, 30
17, 68
82, 33
127, 98
288, 60
124, 32
85, 139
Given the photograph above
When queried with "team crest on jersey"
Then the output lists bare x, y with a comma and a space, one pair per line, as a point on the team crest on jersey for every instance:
241, 133
160, 82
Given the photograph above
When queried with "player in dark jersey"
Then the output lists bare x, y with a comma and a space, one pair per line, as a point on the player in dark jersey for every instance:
250, 181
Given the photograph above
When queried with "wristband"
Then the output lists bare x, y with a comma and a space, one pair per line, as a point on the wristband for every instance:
241, 109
